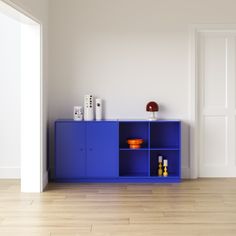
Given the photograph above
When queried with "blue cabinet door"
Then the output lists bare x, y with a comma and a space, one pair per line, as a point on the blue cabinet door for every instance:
70, 156
102, 149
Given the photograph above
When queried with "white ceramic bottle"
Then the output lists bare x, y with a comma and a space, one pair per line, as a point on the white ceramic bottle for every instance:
98, 109
78, 113
88, 107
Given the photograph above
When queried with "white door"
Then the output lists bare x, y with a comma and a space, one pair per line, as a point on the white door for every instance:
33, 177
217, 104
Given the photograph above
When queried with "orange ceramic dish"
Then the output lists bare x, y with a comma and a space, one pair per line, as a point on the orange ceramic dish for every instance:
135, 143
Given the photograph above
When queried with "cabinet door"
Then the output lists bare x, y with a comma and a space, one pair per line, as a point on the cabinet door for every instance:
70, 150
102, 149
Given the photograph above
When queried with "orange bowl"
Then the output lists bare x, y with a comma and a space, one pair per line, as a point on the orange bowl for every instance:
134, 146
135, 143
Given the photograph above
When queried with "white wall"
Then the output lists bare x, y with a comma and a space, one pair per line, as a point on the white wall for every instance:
10, 46
127, 52
39, 10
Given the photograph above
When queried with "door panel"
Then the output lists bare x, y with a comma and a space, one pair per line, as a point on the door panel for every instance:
217, 104
214, 73
70, 150
102, 149
215, 135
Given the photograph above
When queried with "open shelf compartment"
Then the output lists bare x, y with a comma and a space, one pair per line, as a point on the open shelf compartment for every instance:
173, 158
133, 130
133, 163
165, 135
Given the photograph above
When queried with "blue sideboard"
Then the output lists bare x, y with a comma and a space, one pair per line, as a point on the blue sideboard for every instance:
97, 151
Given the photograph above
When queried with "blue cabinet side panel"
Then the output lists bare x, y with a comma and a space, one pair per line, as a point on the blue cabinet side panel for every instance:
102, 149
70, 150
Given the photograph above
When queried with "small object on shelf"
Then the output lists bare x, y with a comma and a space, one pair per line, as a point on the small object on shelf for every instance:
165, 165
88, 107
78, 113
135, 143
160, 171
98, 109
152, 107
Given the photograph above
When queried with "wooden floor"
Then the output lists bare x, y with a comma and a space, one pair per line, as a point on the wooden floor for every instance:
199, 207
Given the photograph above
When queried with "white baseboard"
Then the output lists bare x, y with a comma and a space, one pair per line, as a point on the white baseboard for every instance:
45, 179
9, 172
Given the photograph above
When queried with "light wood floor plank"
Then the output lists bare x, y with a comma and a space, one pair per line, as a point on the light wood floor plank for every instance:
191, 208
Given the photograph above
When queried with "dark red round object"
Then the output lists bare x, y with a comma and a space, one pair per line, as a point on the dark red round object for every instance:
152, 106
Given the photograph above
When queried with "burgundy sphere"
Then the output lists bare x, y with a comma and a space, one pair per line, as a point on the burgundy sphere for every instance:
152, 106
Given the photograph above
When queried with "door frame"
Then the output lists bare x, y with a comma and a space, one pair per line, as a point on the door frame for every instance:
23, 12
194, 119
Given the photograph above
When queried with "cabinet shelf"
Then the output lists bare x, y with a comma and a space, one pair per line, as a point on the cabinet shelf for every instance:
165, 134
133, 130
173, 157
134, 150
133, 163
165, 148
135, 174
162, 177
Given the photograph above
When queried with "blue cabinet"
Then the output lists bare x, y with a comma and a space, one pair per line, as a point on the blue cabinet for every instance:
97, 151
102, 149
70, 150
86, 149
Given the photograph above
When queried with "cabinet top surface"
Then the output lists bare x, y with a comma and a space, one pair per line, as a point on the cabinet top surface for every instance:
120, 120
